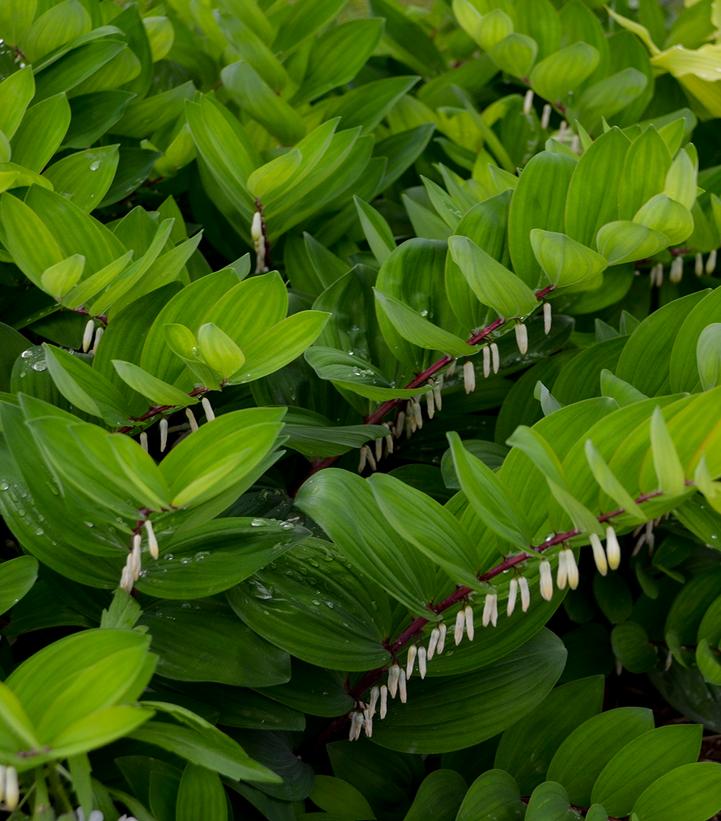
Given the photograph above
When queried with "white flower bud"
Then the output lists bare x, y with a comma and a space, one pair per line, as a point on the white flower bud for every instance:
547, 317
528, 102
430, 404
438, 393
545, 116
468, 618
394, 675
12, 789
522, 338
512, 594
546, 580
490, 610
676, 274
562, 571
442, 631
495, 357
368, 722
163, 434
422, 666
256, 227
98, 336
469, 376
370, 457
207, 409
389, 444
402, 691
417, 414
88, 335
362, 459
486, 361
698, 265
411, 660
451, 369
356, 722
613, 549
190, 416
433, 642
460, 625
525, 593
599, 555
571, 569
152, 541
379, 449
383, 710
144, 441
400, 424
711, 262
375, 692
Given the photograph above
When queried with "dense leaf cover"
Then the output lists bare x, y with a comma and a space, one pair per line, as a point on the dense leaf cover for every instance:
360, 409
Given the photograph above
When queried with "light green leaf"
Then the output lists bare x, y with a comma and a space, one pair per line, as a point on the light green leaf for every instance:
563, 71
60, 278
691, 792
666, 216
154, 389
492, 283
625, 241
219, 351
666, 462
708, 356
565, 261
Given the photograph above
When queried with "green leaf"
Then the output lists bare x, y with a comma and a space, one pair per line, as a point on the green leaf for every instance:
216, 556
593, 743
666, 462
197, 741
154, 389
219, 351
563, 71
251, 92
212, 628
432, 528
414, 328
681, 179
83, 386
17, 577
200, 794
538, 202
593, 191
220, 453
691, 792
344, 506
550, 802
27, 238
644, 171
610, 483
86, 176
624, 241
492, 283
443, 714
565, 261
707, 660
16, 91
340, 798
41, 132
526, 749
377, 231
515, 54
666, 216
438, 798
494, 794
488, 497
62, 277
641, 762
708, 356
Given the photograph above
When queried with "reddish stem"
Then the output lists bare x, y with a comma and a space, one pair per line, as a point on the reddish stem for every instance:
420, 379
459, 594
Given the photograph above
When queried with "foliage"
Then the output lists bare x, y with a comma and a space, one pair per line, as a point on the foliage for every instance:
360, 379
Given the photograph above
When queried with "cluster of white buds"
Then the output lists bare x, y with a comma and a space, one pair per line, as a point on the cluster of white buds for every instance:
567, 571
9, 788
655, 276
257, 234
676, 273
134, 563
88, 336
645, 536
518, 585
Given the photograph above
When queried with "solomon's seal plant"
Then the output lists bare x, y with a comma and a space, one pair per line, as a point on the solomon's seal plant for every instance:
360, 387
